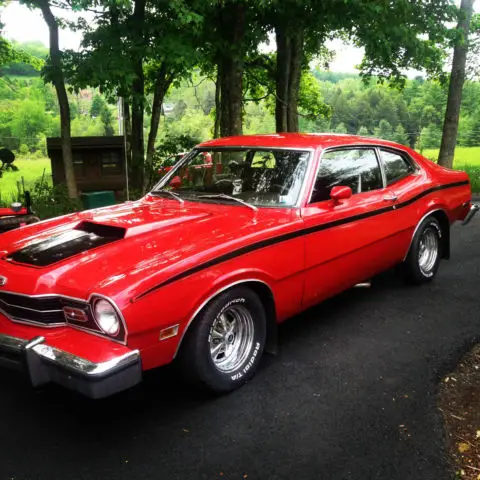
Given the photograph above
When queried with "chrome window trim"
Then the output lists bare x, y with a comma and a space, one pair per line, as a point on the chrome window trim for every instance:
198, 148
417, 227
360, 146
211, 297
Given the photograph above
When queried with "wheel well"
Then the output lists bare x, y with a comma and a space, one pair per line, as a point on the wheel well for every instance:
266, 297
442, 218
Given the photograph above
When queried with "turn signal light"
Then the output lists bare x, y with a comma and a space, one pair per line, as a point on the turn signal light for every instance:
75, 314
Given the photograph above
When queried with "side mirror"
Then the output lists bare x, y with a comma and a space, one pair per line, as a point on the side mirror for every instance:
340, 193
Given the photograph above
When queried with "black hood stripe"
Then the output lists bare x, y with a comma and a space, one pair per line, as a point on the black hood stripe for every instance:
298, 233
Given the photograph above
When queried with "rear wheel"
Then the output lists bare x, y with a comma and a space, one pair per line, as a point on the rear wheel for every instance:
223, 347
423, 259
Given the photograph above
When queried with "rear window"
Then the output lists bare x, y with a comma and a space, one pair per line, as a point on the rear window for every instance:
396, 166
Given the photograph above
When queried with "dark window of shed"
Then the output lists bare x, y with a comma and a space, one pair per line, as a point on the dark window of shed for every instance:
396, 166
78, 165
111, 163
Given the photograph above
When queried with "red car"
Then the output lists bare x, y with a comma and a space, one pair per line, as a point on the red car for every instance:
204, 268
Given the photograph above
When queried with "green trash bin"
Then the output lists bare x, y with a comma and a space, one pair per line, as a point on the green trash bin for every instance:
98, 199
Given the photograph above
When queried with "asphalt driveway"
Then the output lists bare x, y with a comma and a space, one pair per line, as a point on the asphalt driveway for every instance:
351, 395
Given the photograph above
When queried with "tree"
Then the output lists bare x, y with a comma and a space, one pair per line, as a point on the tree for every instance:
384, 130
107, 117
457, 79
53, 71
135, 49
363, 132
430, 137
400, 136
98, 104
301, 27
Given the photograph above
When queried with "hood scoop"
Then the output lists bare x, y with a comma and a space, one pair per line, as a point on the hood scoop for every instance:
85, 236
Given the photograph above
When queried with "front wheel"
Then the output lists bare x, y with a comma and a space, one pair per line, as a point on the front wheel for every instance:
223, 347
423, 259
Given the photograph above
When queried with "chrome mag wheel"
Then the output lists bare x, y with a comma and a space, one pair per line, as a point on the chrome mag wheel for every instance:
231, 338
428, 250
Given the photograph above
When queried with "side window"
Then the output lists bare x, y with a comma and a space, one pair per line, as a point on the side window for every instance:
354, 168
396, 166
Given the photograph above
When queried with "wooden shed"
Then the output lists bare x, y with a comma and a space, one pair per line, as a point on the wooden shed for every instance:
99, 163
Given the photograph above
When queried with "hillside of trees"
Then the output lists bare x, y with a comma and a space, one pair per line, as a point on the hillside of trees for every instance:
412, 116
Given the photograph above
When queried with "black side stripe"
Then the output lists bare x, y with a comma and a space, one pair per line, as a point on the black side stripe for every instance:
296, 234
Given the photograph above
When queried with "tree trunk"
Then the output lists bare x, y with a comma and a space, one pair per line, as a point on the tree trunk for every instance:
137, 164
128, 130
289, 71
457, 79
59, 84
218, 104
284, 54
296, 60
231, 65
162, 84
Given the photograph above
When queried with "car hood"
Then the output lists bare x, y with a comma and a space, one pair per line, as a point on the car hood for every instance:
128, 246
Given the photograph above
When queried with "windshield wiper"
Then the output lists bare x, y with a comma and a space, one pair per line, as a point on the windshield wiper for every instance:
228, 197
176, 196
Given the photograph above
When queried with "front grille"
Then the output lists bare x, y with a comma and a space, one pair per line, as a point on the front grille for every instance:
46, 310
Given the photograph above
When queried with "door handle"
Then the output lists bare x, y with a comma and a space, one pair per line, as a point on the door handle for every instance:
390, 198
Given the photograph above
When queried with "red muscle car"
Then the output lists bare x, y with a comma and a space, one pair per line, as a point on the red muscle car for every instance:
203, 268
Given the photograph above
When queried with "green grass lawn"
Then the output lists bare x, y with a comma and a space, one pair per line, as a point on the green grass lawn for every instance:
464, 156
30, 169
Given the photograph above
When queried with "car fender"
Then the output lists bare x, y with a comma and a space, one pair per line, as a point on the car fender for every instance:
231, 280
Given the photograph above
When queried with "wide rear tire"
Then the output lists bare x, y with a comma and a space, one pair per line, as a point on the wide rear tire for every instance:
423, 259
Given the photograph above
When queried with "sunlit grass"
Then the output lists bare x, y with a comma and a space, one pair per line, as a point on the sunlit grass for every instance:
29, 171
463, 156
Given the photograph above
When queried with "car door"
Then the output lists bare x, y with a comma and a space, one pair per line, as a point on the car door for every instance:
350, 239
404, 182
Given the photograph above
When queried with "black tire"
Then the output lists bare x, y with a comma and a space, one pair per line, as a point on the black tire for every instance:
196, 359
418, 268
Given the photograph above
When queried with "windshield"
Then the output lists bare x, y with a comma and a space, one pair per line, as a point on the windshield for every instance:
260, 177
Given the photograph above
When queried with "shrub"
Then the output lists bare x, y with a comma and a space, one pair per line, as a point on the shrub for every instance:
52, 200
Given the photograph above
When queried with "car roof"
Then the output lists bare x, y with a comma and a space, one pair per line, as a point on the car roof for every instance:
296, 140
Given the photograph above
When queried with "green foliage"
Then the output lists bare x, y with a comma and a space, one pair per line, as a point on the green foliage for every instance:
36, 52
384, 130
23, 150
430, 137
400, 136
164, 154
98, 104
52, 200
363, 132
29, 121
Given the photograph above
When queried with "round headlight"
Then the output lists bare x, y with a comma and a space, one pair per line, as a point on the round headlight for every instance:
107, 317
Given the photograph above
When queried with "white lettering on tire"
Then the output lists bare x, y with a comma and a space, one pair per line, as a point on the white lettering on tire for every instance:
249, 364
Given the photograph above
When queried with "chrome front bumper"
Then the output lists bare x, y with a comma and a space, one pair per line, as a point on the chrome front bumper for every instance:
471, 213
44, 364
